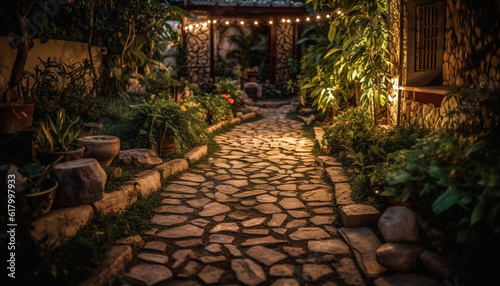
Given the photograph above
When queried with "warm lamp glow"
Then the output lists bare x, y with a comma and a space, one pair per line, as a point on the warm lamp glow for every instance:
215, 21
242, 23
327, 16
283, 20
297, 20
197, 25
318, 17
227, 22
256, 23
190, 27
205, 24
288, 21
308, 19
271, 22
209, 21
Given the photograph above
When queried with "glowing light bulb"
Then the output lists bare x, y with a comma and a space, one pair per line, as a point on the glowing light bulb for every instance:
283, 20
256, 23
190, 27
209, 21
197, 25
288, 21
227, 22
318, 17
271, 22
205, 24
339, 12
327, 16
215, 21
308, 19
297, 20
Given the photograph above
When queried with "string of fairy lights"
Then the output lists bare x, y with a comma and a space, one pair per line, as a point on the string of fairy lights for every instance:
286, 20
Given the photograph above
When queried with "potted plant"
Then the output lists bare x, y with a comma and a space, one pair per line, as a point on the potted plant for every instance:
38, 189
103, 148
56, 138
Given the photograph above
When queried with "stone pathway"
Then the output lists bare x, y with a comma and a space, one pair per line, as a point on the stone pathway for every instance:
259, 213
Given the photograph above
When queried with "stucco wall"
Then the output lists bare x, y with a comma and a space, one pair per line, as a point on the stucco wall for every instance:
57, 50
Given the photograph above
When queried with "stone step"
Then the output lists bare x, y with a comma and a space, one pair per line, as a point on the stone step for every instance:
358, 215
364, 245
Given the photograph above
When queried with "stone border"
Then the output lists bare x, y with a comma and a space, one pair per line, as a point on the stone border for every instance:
236, 120
122, 253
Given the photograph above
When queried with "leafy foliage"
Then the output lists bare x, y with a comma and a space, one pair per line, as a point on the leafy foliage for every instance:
217, 108
57, 135
357, 55
183, 122
226, 86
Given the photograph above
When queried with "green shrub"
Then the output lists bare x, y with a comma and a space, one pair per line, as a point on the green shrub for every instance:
217, 108
183, 122
272, 91
226, 86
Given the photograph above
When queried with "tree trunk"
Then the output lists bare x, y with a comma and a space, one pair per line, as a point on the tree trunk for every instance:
23, 48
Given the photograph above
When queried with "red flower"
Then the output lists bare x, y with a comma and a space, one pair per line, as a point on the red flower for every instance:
231, 100
181, 100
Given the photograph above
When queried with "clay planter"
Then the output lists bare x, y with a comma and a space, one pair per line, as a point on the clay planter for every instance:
15, 116
166, 146
47, 157
103, 148
39, 204
252, 77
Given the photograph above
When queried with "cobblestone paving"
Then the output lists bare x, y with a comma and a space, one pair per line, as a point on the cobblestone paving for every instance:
258, 213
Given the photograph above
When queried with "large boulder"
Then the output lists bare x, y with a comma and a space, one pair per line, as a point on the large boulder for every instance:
438, 264
80, 182
139, 156
399, 257
399, 224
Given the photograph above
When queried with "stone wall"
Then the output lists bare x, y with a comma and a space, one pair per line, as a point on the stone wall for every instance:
472, 42
471, 57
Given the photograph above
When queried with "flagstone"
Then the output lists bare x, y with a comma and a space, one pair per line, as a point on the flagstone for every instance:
253, 222
313, 272
219, 218
248, 272
227, 226
200, 222
236, 183
265, 255
298, 214
286, 282
239, 215
262, 240
184, 231
321, 220
192, 177
171, 201
294, 251
323, 195
180, 189
221, 238
296, 223
213, 209
167, 220
153, 258
233, 249
266, 199
282, 270
268, 208
211, 274
198, 203
291, 203
277, 220
248, 202
256, 231
180, 256
258, 181
155, 246
192, 268
222, 177
149, 274
323, 210
307, 233
330, 246
212, 259
174, 209
249, 194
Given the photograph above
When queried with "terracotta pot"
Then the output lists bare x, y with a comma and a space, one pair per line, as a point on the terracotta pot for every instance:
166, 146
47, 157
103, 148
39, 204
252, 78
15, 116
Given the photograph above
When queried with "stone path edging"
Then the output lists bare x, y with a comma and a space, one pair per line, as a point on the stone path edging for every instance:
121, 254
